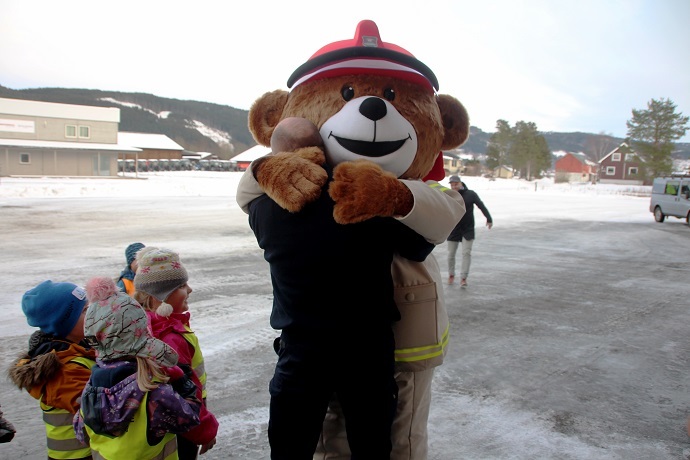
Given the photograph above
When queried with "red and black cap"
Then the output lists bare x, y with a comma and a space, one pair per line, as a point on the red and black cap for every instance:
366, 53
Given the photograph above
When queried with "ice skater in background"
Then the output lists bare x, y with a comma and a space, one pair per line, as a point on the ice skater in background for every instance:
464, 231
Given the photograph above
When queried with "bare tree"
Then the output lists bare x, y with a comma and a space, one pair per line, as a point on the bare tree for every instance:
599, 145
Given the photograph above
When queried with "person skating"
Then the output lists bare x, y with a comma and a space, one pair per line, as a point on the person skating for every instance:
463, 233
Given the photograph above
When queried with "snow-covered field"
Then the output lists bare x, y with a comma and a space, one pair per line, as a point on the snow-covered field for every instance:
510, 201
208, 183
512, 382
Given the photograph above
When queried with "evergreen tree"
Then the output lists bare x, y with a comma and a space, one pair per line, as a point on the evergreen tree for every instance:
543, 158
529, 152
653, 132
499, 145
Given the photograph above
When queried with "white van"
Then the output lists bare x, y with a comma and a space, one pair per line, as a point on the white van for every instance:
671, 197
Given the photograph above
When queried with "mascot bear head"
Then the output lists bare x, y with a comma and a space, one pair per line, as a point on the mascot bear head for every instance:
369, 100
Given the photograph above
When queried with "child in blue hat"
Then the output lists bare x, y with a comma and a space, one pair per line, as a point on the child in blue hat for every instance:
58, 363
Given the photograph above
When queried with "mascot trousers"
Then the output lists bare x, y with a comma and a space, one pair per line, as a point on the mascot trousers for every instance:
310, 370
409, 434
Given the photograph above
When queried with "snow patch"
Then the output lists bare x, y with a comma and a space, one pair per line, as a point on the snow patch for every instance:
216, 135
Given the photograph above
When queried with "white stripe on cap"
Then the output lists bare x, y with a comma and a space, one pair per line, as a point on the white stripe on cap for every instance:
375, 64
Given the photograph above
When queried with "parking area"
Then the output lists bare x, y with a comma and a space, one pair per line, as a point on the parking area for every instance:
571, 341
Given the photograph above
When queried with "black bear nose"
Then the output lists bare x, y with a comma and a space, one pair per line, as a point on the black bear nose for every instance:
373, 108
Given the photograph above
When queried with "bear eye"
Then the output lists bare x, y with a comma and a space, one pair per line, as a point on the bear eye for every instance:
389, 94
348, 92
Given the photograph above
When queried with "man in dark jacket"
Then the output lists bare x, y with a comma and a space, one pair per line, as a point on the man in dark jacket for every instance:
464, 231
334, 304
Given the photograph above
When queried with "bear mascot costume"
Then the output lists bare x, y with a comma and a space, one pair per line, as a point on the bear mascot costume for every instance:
344, 189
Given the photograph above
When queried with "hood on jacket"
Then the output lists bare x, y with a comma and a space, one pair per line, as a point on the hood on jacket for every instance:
27, 373
111, 398
40, 364
161, 326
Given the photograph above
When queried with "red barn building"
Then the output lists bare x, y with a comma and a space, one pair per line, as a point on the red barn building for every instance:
575, 167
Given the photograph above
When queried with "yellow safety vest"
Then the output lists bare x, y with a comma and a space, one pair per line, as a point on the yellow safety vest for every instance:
133, 444
62, 442
197, 359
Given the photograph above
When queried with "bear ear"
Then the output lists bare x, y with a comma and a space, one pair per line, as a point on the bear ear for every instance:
456, 122
264, 115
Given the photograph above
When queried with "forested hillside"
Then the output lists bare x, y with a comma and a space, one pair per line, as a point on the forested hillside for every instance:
196, 126
221, 129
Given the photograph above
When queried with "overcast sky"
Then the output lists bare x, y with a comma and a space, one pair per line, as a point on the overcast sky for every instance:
566, 66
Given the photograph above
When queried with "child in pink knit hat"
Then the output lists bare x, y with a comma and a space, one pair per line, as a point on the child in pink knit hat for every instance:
137, 400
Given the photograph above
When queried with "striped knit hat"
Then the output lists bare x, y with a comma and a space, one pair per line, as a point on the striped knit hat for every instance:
160, 272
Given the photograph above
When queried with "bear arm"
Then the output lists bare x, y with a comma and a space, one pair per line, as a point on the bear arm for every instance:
362, 190
292, 179
437, 210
